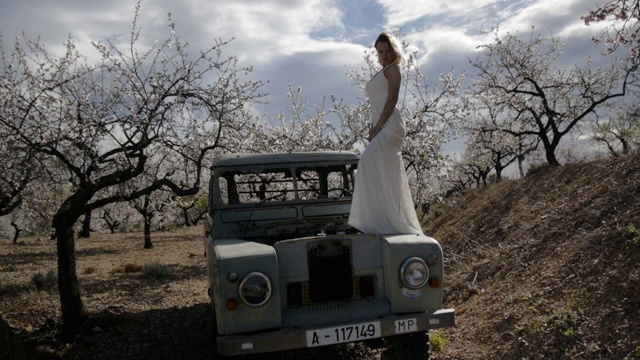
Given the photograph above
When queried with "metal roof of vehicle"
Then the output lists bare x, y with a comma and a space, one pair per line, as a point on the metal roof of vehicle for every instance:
240, 159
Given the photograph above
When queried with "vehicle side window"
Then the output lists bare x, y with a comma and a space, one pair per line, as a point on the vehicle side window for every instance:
339, 180
223, 193
330, 181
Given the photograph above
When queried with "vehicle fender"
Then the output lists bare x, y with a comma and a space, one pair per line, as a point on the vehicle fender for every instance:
397, 248
229, 258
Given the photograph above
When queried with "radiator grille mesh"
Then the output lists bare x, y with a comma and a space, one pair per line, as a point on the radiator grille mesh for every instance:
331, 277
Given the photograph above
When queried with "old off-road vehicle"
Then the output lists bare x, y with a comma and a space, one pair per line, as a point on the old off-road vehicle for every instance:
286, 271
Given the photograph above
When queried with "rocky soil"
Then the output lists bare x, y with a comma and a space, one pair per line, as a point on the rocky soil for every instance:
547, 267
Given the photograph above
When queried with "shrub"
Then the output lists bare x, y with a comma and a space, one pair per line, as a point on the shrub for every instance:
132, 267
631, 233
438, 340
537, 168
354, 351
567, 319
157, 271
44, 282
127, 268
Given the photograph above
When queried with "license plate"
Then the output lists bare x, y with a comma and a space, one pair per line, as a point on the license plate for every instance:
343, 334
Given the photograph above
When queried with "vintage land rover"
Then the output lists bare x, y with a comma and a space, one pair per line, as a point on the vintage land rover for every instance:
286, 271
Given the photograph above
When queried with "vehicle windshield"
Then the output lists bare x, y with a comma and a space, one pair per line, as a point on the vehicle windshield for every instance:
254, 186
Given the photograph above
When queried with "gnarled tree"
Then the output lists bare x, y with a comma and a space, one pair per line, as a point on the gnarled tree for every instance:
548, 101
102, 122
486, 133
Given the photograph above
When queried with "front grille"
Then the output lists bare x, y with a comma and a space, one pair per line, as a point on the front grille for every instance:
331, 277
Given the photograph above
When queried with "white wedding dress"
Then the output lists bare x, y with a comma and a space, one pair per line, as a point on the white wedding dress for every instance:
382, 201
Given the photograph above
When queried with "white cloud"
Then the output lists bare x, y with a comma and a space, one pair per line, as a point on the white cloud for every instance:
266, 31
307, 42
402, 12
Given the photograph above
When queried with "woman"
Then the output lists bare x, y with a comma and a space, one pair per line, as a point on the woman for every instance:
382, 200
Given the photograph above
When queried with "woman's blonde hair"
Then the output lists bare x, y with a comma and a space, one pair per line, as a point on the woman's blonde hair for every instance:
387, 37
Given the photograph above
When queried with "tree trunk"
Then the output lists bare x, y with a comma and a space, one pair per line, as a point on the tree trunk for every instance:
552, 160
85, 233
17, 232
498, 169
550, 153
147, 215
74, 316
625, 147
112, 224
185, 212
147, 232
521, 167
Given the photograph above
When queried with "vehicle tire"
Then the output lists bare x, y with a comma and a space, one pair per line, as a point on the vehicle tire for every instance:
414, 346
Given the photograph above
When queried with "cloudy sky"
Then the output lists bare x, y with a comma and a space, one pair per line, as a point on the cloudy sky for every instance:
310, 43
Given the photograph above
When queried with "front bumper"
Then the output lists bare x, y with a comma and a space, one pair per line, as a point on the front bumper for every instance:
295, 338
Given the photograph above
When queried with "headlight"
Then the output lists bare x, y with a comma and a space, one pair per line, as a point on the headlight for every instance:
414, 273
255, 289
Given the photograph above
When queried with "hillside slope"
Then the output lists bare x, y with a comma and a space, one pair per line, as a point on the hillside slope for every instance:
545, 267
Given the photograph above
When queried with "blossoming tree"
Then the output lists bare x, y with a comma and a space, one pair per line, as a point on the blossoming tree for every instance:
103, 121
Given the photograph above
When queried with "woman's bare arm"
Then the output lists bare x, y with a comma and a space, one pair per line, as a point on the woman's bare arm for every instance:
394, 78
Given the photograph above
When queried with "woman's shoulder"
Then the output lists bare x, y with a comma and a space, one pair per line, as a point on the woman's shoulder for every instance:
394, 65
392, 69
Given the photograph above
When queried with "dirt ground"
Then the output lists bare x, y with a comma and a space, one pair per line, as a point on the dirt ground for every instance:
142, 303
541, 268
